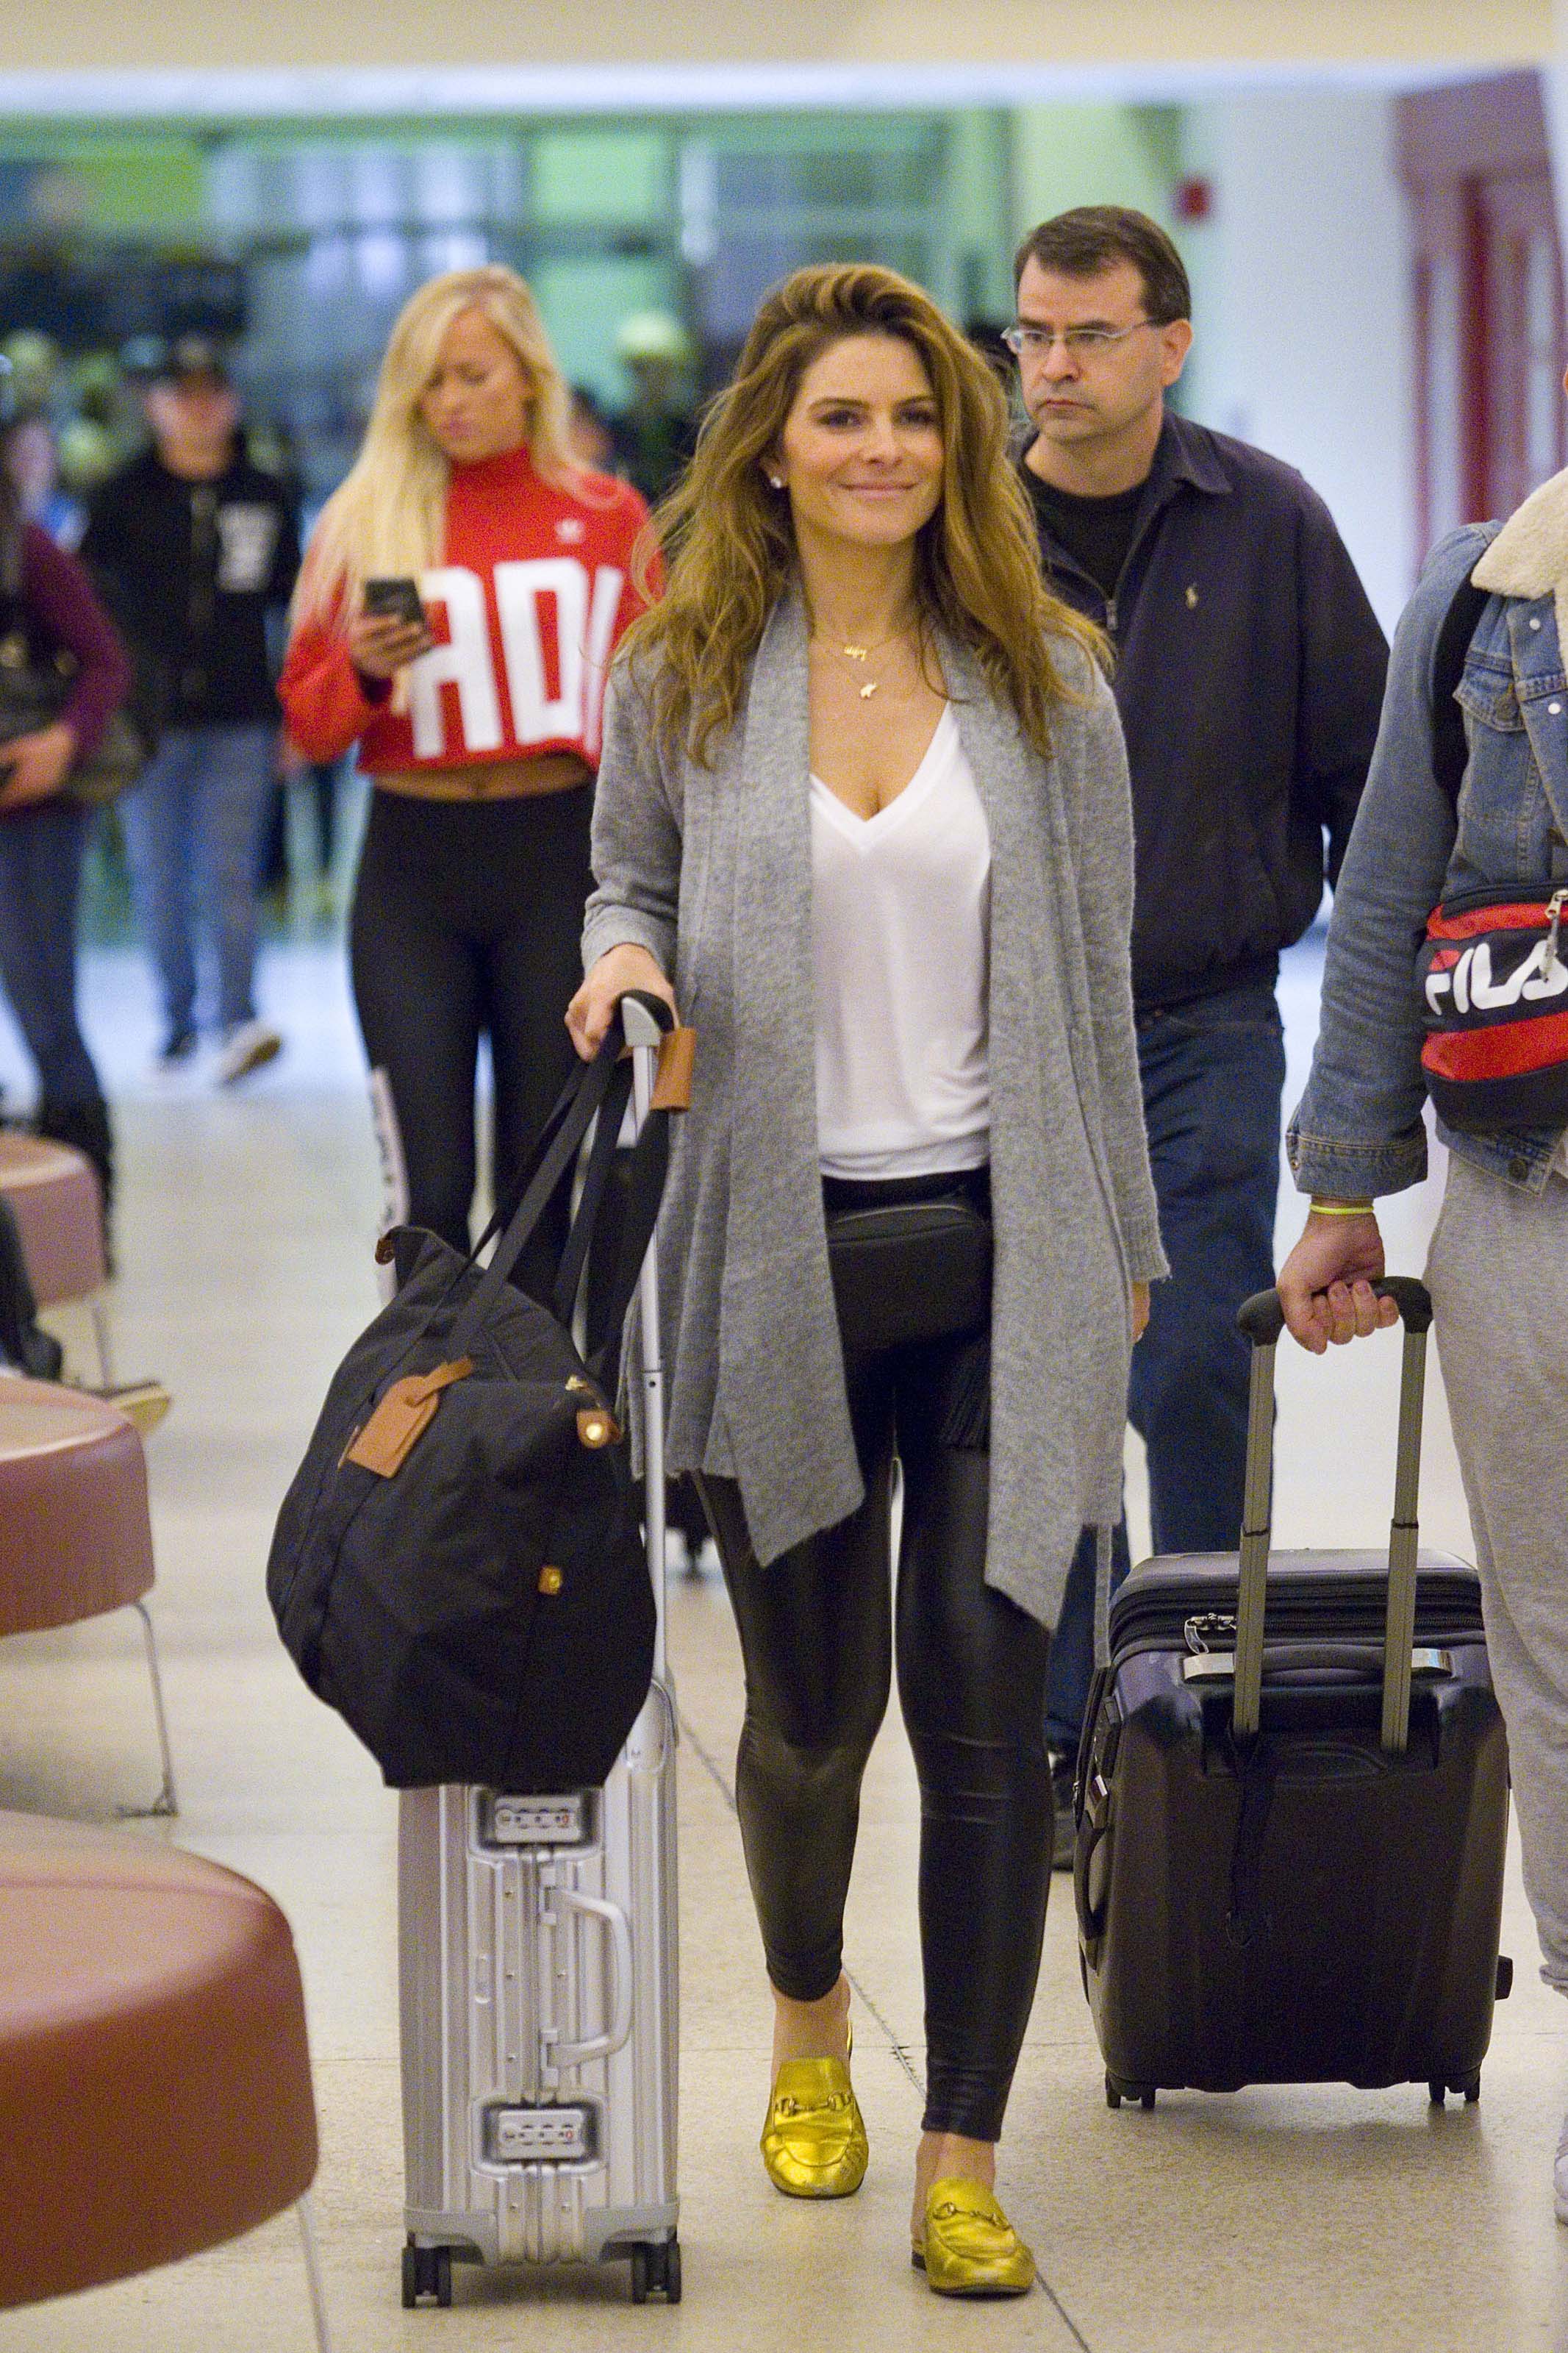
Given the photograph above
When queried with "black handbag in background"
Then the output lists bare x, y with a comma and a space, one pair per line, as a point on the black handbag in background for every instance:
34, 690
458, 1566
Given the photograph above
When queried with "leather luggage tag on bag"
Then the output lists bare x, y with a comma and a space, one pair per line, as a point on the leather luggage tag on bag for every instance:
672, 1086
402, 1417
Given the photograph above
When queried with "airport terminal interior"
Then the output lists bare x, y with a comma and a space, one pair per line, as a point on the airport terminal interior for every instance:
1375, 257
1312, 2220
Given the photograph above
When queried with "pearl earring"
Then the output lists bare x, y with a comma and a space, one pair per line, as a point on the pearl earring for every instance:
777, 482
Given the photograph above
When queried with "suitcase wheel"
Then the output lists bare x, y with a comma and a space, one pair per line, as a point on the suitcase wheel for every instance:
1118, 2089
657, 2267
426, 2272
1470, 2085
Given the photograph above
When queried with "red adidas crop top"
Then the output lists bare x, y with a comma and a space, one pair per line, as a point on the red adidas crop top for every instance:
527, 609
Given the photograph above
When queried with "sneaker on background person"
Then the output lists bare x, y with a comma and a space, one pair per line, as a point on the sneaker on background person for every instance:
145, 1404
178, 1048
246, 1048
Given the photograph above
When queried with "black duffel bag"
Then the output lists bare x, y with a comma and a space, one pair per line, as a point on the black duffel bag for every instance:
458, 1568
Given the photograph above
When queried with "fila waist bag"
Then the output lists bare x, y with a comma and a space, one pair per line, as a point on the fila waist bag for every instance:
1493, 977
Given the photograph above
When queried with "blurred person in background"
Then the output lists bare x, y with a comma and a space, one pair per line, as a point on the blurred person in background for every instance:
655, 435
589, 432
34, 371
475, 700
31, 456
1249, 674
47, 608
103, 424
197, 548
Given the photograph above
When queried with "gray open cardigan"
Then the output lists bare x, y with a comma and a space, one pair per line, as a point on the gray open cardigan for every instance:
709, 870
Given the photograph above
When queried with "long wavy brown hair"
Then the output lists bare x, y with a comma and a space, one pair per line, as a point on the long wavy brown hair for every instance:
728, 544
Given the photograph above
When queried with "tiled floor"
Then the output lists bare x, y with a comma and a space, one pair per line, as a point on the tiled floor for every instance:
1318, 2220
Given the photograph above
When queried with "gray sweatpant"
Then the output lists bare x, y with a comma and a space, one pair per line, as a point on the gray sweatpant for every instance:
1498, 1272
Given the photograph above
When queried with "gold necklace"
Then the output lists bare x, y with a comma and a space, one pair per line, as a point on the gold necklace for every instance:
863, 653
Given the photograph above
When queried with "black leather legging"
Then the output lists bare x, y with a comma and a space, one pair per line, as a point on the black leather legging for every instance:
818, 1636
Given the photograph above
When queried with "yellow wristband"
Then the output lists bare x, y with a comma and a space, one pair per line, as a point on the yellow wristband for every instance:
1341, 1209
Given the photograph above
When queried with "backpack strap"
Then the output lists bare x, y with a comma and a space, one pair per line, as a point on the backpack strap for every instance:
1450, 752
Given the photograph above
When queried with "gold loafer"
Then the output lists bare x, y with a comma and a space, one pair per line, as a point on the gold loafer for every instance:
814, 2143
969, 2248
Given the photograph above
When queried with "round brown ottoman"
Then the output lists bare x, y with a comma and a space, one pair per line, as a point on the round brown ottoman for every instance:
53, 1192
154, 2075
75, 1537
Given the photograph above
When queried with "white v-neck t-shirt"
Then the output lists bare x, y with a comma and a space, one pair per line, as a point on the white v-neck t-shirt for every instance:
901, 919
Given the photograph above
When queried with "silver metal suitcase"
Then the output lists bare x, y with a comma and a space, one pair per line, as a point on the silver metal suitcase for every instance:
537, 1968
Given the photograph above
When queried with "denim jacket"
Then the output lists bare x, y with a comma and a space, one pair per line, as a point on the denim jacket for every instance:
1358, 1130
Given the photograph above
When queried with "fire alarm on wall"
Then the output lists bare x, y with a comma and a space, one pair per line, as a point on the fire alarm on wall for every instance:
1194, 197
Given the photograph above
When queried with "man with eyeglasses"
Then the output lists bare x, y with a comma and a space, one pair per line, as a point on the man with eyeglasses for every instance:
1249, 674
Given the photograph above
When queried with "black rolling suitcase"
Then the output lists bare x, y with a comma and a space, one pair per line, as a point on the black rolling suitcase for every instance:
1292, 1802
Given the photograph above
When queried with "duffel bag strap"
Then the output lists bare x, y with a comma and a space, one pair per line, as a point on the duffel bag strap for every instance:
648, 1167
597, 1086
595, 1176
582, 1075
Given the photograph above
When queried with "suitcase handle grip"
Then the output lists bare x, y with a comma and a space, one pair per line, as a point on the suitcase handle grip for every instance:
1261, 1319
618, 1940
655, 1017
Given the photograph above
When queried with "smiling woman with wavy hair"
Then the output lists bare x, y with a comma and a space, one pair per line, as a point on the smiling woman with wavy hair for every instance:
730, 546
863, 813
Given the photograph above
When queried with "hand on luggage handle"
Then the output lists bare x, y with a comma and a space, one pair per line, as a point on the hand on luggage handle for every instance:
617, 2030
1261, 1318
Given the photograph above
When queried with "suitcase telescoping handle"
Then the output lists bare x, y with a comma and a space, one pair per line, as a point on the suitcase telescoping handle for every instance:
645, 1020
1262, 1320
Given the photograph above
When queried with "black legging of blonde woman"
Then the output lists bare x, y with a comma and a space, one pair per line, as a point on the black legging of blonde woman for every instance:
818, 1636
466, 923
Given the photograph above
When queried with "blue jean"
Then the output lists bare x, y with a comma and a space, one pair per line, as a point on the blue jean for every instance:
1212, 1074
40, 876
192, 827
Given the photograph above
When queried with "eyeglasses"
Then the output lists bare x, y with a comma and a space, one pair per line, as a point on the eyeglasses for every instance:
1026, 342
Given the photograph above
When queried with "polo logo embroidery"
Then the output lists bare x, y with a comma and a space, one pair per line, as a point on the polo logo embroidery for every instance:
1191, 599
555, 624
571, 530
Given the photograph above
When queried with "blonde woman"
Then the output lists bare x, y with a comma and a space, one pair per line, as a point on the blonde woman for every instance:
475, 706
864, 803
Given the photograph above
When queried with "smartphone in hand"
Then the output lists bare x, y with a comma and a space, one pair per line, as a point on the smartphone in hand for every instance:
399, 598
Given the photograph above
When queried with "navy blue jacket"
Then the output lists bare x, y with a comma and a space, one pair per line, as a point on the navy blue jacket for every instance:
1250, 675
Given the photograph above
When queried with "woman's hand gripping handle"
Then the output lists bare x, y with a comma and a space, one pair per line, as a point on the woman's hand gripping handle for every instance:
592, 1010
